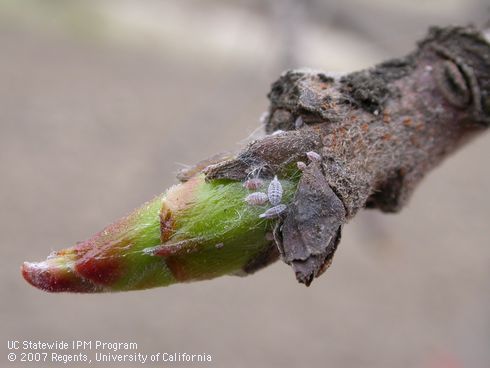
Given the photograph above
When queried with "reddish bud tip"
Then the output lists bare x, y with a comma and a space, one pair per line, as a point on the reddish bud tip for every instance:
50, 277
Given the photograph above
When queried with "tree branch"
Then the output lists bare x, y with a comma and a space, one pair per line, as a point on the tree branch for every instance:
378, 132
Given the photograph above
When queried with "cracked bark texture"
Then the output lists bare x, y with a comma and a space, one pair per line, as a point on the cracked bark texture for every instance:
379, 132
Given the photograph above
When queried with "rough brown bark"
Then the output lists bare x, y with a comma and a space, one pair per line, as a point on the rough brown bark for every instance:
378, 131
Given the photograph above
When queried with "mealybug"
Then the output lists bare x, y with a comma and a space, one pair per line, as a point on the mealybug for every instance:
274, 192
256, 198
273, 211
313, 156
301, 165
276, 132
253, 184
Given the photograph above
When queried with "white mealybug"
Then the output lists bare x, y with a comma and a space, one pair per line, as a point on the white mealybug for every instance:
253, 184
298, 123
313, 156
274, 192
256, 198
301, 165
276, 132
273, 211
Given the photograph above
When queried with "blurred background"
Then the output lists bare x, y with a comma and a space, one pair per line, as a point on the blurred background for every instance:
101, 102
